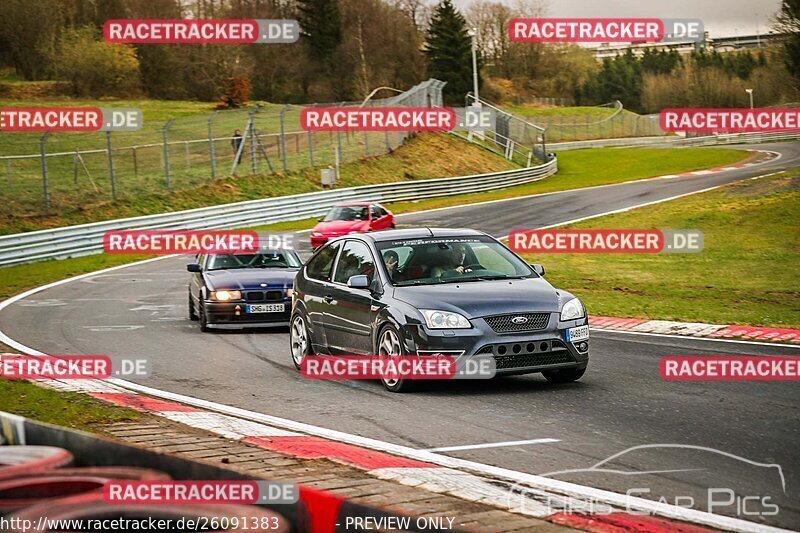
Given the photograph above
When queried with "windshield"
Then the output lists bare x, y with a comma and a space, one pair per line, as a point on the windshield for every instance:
450, 259
268, 259
347, 212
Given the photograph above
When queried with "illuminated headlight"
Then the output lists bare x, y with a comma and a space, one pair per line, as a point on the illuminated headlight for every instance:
316, 234
572, 309
289, 292
224, 296
444, 319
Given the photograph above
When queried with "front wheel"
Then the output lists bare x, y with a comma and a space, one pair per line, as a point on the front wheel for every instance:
389, 345
299, 340
203, 318
192, 315
565, 375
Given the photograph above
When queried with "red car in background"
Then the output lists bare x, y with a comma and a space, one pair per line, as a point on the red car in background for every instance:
351, 217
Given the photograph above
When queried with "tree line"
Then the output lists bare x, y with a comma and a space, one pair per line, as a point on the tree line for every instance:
349, 47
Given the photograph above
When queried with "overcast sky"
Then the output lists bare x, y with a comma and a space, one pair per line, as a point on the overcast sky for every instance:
722, 18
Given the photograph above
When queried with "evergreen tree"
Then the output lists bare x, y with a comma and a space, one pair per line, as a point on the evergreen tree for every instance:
321, 27
449, 52
788, 21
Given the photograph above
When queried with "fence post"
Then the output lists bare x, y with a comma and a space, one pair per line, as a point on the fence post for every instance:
75, 167
283, 137
43, 149
311, 147
166, 152
135, 162
253, 159
111, 167
388, 144
211, 145
339, 143
8, 165
366, 143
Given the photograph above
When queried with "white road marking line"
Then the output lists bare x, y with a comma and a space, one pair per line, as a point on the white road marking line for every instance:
491, 445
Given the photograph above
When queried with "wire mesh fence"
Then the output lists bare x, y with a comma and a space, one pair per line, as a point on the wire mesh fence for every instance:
61, 170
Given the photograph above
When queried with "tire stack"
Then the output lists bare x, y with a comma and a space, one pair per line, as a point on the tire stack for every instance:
40, 482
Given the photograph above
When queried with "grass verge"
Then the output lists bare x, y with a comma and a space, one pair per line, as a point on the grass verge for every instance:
68, 409
746, 273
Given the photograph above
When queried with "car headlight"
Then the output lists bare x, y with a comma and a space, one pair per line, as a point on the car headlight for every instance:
289, 292
444, 319
224, 296
316, 234
572, 309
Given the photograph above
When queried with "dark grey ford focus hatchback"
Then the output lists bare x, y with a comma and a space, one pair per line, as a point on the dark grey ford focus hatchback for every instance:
455, 292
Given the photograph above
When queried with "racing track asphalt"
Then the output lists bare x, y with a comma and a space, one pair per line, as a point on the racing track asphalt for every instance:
621, 402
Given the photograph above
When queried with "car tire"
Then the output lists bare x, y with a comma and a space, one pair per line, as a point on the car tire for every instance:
390, 343
192, 315
299, 340
565, 375
203, 319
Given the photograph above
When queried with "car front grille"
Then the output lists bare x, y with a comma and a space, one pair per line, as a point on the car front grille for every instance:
508, 323
528, 353
261, 296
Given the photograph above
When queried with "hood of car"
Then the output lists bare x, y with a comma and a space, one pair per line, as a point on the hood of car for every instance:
340, 227
250, 278
481, 298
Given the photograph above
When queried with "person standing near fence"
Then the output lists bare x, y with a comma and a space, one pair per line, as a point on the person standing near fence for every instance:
236, 141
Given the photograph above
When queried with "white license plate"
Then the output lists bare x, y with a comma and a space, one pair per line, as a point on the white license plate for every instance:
265, 308
581, 333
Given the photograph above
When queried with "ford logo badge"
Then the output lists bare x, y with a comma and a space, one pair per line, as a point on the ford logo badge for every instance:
520, 320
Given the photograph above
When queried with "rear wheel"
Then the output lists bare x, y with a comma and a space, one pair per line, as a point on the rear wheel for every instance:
390, 345
299, 340
565, 375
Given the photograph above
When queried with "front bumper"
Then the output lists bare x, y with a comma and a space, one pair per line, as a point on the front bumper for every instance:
225, 315
514, 353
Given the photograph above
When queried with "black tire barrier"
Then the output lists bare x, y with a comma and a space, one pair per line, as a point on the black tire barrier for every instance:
248, 518
19, 460
25, 491
133, 473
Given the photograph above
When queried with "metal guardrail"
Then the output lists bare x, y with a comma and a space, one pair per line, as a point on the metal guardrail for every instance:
86, 239
706, 140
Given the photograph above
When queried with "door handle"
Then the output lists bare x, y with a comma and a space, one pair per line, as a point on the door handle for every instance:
328, 298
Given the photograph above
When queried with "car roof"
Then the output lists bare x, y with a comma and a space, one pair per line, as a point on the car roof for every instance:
419, 233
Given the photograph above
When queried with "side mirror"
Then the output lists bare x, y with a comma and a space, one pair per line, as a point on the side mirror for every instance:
193, 267
358, 282
320, 219
539, 269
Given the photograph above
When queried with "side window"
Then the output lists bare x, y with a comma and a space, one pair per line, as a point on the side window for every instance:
355, 260
320, 265
376, 212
